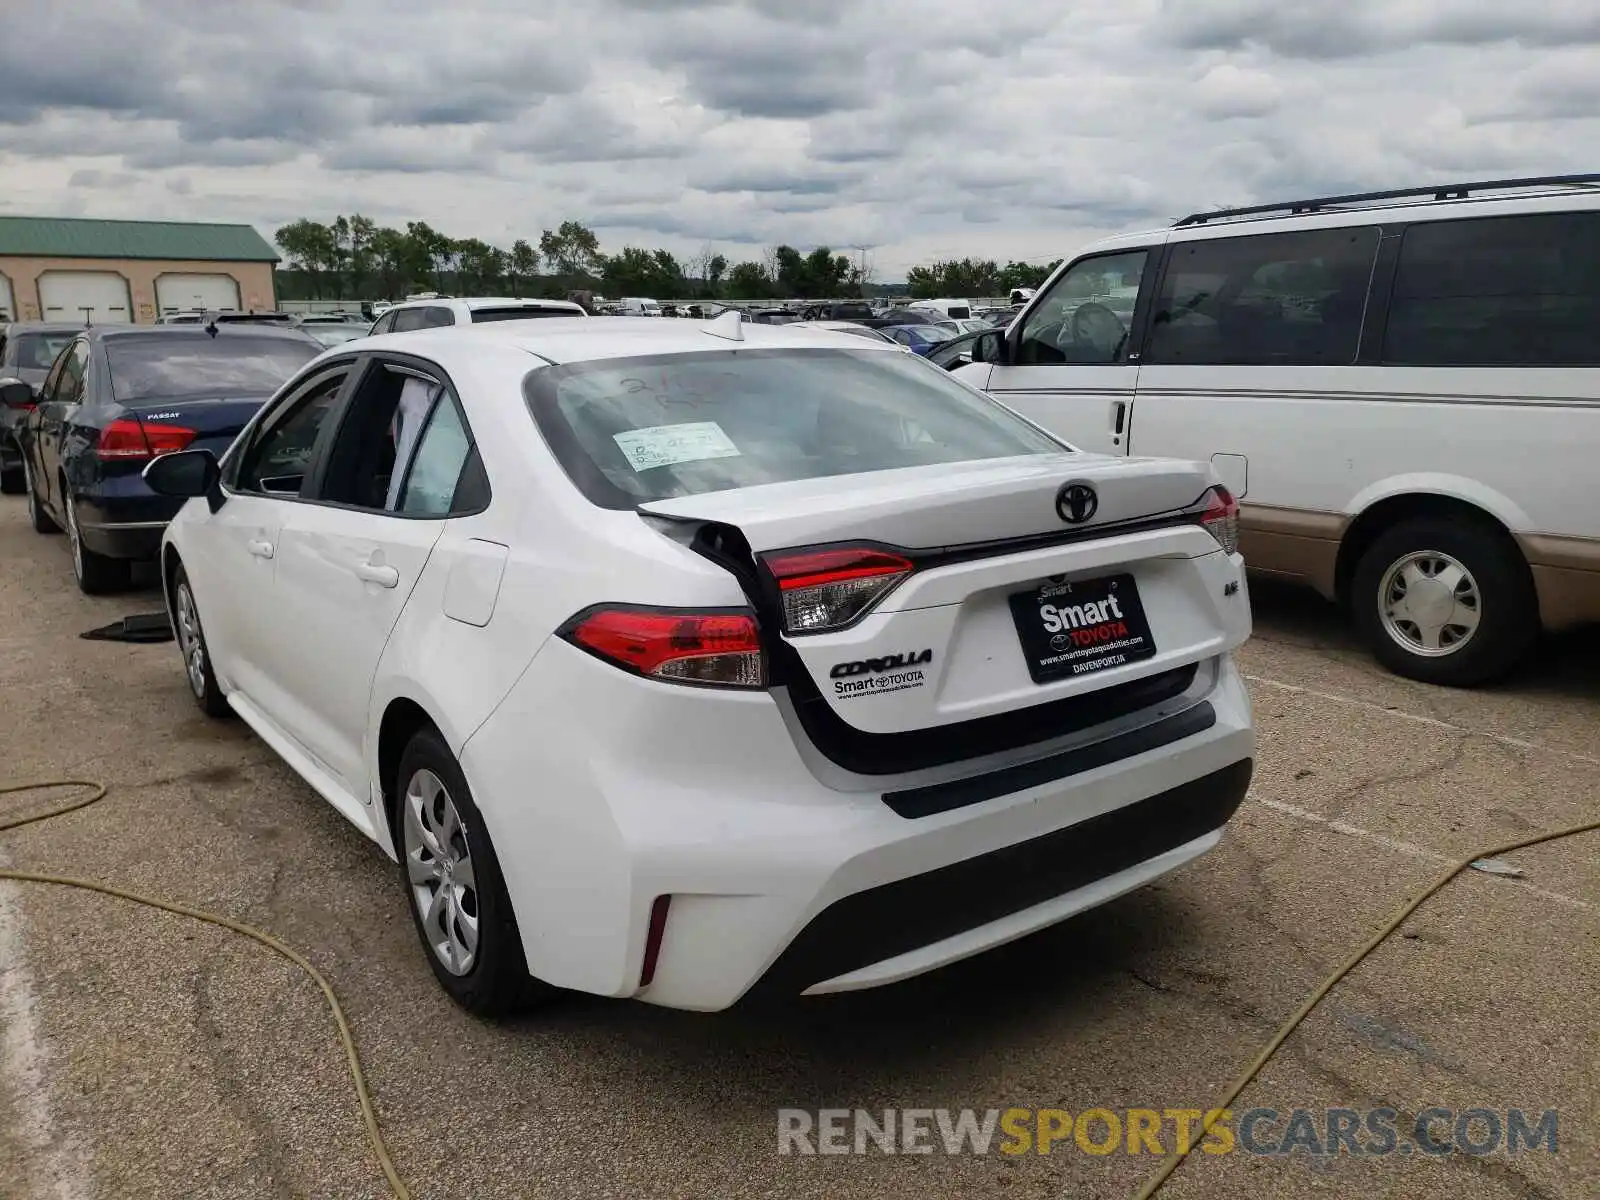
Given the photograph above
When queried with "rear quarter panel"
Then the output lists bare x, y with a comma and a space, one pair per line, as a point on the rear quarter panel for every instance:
1518, 443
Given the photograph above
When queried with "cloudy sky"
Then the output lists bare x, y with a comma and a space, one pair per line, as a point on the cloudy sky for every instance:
923, 128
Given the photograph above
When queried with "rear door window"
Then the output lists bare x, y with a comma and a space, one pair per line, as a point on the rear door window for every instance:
1497, 291
633, 430
1286, 299
518, 313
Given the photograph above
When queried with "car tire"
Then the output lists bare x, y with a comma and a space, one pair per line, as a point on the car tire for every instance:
1471, 614
467, 929
37, 517
13, 480
192, 645
97, 574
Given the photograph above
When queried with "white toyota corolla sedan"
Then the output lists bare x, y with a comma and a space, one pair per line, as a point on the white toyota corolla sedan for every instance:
687, 660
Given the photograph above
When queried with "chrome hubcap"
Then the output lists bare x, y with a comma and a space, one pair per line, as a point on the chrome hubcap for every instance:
1429, 603
439, 865
190, 643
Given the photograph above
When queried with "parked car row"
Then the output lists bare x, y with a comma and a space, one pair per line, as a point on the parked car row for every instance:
689, 661
113, 399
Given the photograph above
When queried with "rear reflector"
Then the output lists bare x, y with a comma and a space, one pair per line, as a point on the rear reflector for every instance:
652, 941
127, 439
1221, 518
829, 589
715, 649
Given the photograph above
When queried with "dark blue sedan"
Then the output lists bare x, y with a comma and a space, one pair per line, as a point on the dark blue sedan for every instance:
114, 399
921, 338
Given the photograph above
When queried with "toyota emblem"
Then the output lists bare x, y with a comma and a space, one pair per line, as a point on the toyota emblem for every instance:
1076, 503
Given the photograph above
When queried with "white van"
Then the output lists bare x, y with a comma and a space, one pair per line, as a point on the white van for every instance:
956, 310
639, 306
1402, 387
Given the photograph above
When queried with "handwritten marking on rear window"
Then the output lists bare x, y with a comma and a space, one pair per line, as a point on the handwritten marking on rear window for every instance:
668, 445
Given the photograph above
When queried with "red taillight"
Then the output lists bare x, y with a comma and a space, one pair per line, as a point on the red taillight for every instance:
717, 649
129, 438
1221, 518
828, 589
652, 940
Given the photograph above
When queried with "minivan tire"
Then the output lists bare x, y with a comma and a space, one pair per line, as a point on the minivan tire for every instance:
1508, 611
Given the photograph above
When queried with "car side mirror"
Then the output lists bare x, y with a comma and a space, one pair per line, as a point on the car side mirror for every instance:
15, 393
989, 347
185, 474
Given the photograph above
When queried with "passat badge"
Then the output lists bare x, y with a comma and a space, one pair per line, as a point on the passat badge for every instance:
1076, 503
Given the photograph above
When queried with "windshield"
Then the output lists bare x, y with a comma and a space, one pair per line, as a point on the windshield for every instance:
633, 430
199, 365
36, 351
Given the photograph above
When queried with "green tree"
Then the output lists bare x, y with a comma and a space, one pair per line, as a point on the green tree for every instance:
715, 270
309, 246
361, 233
749, 281
391, 259
571, 250
524, 264
923, 283
629, 272
428, 254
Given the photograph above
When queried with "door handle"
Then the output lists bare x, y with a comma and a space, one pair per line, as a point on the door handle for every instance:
261, 548
382, 576
1119, 413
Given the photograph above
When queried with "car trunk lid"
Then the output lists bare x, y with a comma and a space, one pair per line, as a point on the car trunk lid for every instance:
1015, 590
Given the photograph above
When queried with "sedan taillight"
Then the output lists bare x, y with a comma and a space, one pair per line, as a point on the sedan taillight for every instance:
828, 589
713, 649
128, 438
1221, 518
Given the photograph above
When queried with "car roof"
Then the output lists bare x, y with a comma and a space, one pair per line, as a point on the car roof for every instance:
472, 302
583, 339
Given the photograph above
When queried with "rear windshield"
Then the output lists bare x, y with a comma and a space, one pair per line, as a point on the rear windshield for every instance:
633, 430
36, 351
518, 313
167, 367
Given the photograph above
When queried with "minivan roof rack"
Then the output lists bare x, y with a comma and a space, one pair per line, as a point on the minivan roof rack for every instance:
1447, 191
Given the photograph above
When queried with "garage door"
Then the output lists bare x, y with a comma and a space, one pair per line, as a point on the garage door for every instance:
7, 312
184, 293
101, 297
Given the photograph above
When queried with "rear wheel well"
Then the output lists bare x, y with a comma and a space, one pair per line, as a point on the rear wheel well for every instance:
1369, 526
170, 562
401, 721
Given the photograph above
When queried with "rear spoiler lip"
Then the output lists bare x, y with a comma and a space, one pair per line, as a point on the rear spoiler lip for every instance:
930, 556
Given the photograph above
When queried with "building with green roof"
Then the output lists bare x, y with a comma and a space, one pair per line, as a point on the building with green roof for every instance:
114, 272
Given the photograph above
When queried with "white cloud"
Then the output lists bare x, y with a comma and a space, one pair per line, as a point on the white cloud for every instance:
921, 127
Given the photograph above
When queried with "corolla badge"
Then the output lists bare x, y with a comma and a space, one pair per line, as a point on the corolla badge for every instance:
1076, 503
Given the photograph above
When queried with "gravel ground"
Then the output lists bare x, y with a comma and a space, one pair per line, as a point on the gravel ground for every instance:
147, 1056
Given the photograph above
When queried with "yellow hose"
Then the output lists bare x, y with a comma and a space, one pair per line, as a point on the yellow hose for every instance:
1172, 1161
369, 1115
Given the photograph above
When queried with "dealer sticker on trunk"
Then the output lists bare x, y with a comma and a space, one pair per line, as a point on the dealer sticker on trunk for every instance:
668, 445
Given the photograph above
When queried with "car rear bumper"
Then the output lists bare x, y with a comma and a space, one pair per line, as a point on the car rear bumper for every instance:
603, 791
120, 517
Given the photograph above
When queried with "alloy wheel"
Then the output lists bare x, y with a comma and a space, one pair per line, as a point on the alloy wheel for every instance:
439, 866
190, 641
1429, 603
